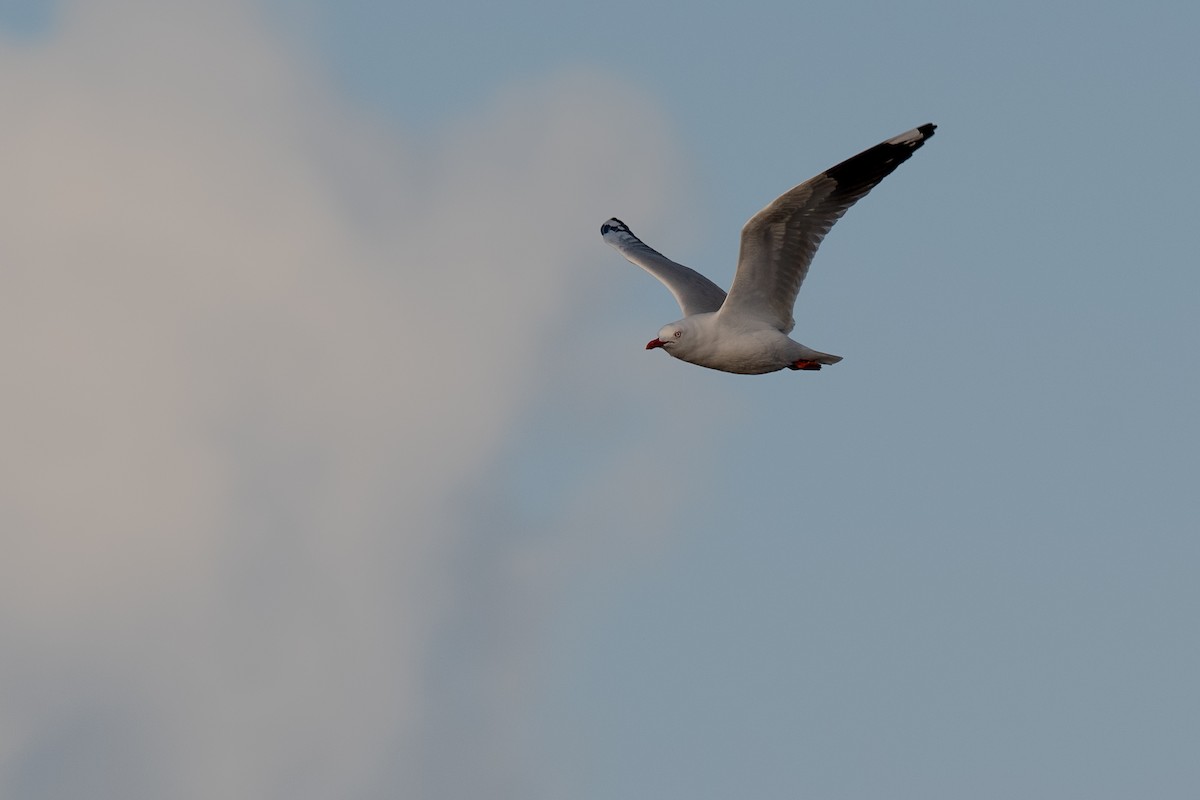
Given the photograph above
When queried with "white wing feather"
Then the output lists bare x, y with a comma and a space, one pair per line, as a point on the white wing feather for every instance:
778, 243
695, 293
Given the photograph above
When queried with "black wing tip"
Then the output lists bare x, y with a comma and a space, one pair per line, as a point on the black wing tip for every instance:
911, 139
857, 175
614, 224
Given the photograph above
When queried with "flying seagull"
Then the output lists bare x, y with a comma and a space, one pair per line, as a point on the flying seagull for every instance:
746, 330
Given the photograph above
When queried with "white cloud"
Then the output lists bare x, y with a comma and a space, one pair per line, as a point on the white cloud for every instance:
254, 346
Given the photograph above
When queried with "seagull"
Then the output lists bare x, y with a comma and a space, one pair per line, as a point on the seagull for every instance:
746, 331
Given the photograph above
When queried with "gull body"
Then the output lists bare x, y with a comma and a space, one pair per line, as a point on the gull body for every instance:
736, 344
747, 330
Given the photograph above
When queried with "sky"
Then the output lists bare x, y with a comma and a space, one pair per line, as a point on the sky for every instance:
334, 465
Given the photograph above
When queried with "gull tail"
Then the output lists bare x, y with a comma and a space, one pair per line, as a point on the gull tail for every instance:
819, 357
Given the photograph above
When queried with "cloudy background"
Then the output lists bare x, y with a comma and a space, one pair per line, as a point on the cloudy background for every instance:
332, 465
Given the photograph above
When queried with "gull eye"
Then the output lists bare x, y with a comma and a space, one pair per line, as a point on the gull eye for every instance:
678, 334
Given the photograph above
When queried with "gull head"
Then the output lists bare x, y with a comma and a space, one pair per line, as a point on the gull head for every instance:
670, 338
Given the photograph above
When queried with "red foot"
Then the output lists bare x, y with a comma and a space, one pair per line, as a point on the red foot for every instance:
804, 365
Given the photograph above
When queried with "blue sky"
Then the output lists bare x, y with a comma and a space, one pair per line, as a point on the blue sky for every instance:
336, 467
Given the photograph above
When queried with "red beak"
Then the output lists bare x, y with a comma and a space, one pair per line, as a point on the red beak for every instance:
653, 343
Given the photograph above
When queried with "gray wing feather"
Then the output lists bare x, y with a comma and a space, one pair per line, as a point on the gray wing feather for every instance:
695, 293
779, 242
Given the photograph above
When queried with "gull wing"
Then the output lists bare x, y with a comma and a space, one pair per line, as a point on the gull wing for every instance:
695, 293
778, 243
